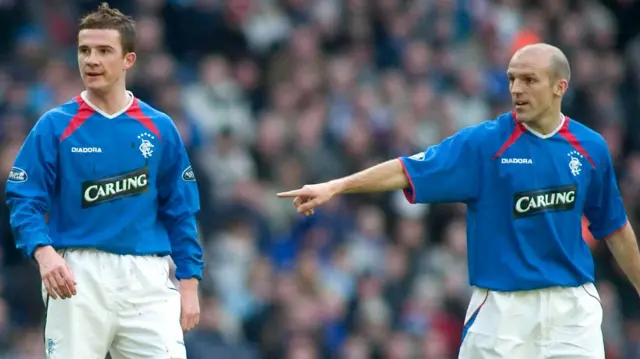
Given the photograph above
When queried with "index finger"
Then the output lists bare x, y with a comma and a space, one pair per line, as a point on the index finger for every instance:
292, 194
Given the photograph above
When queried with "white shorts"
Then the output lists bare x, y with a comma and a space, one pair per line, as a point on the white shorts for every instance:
553, 323
125, 305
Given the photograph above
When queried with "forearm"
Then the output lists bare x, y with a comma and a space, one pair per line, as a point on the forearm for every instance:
28, 225
386, 176
189, 284
187, 255
624, 247
186, 251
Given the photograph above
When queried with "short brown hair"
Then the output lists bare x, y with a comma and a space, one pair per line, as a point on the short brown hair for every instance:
107, 18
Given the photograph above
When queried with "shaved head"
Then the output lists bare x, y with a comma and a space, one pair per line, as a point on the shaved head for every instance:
538, 79
557, 61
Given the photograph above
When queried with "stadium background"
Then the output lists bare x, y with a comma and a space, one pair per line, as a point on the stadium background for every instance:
272, 94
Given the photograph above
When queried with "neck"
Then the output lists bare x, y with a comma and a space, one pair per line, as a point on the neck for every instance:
109, 102
547, 123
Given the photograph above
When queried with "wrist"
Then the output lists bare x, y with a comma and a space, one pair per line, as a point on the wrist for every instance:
41, 251
189, 283
338, 186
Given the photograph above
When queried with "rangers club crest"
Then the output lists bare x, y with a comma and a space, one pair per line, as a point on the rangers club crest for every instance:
574, 162
146, 147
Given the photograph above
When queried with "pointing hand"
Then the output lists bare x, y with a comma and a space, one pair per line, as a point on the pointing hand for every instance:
307, 198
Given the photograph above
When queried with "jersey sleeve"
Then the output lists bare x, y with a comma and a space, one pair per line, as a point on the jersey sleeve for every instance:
30, 187
447, 172
178, 205
604, 207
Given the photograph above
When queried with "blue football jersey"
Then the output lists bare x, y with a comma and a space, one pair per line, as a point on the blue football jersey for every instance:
118, 183
526, 194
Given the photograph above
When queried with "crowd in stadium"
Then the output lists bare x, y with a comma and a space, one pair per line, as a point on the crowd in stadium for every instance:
269, 95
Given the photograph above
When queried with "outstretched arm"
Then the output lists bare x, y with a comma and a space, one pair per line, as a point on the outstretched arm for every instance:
383, 177
442, 173
386, 176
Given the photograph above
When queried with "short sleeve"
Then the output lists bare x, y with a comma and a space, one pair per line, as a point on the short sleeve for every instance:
447, 172
604, 207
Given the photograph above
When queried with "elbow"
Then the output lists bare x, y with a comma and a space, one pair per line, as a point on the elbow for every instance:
402, 179
621, 232
23, 210
621, 240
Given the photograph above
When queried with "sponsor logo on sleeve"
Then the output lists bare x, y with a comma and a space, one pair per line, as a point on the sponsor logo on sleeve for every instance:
418, 156
545, 200
17, 175
110, 189
188, 175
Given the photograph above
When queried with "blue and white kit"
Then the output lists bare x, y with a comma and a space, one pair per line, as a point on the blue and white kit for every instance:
526, 194
115, 195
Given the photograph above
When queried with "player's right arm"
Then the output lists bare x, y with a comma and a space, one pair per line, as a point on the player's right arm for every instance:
28, 193
447, 172
605, 210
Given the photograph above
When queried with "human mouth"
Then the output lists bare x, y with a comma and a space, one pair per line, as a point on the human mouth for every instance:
521, 104
93, 75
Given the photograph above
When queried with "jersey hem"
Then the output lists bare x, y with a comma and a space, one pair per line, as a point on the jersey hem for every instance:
116, 252
504, 290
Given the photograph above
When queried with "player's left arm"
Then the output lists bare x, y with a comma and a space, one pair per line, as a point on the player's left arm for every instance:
606, 213
178, 205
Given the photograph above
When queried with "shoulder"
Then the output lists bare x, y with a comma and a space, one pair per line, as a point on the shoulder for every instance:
593, 143
59, 117
487, 131
165, 124
151, 112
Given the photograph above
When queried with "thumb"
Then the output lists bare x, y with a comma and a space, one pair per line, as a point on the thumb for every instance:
307, 206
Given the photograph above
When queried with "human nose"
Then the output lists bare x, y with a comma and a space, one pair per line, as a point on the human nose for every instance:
516, 87
91, 58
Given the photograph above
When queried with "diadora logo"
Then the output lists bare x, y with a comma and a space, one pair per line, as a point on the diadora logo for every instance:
519, 161
86, 149
146, 147
551, 199
17, 175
